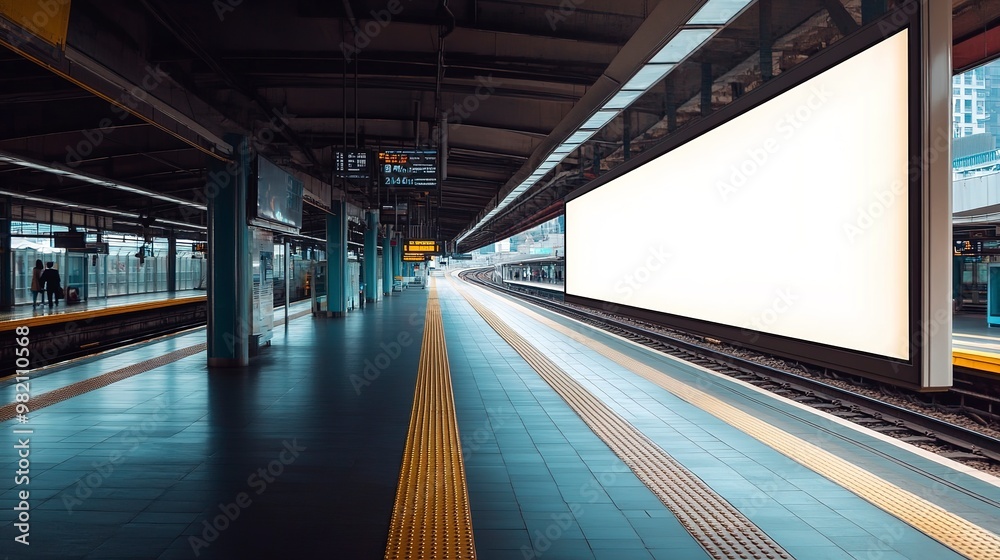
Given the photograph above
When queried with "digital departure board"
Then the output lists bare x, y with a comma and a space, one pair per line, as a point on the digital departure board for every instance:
352, 164
408, 169
414, 257
422, 246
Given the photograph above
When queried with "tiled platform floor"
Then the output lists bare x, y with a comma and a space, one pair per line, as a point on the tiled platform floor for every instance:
136, 469
517, 414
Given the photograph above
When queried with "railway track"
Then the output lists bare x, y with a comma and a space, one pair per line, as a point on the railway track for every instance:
945, 438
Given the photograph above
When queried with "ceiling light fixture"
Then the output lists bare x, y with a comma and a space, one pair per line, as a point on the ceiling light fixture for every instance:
61, 170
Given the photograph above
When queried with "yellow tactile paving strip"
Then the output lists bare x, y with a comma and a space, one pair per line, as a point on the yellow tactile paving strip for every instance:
54, 396
431, 517
718, 526
951, 530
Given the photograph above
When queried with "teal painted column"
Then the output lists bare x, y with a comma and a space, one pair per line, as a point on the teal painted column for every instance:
336, 259
371, 256
228, 258
387, 262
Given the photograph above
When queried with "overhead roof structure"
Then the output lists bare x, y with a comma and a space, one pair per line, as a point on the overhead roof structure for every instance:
125, 108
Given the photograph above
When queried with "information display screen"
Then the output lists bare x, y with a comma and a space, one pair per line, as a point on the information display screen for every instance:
352, 164
408, 169
422, 246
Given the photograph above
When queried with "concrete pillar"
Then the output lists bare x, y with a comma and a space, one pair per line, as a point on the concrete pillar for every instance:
371, 256
229, 258
397, 257
336, 259
936, 177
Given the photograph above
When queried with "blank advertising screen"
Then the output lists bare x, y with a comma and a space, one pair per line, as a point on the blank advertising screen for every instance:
790, 219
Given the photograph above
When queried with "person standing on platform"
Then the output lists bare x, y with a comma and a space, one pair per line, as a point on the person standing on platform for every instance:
50, 277
36, 283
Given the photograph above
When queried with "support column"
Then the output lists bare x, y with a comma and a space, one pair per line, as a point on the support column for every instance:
937, 192
287, 264
397, 257
387, 262
229, 258
172, 263
371, 256
336, 260
6, 257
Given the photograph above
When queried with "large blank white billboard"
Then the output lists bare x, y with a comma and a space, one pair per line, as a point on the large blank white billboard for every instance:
791, 219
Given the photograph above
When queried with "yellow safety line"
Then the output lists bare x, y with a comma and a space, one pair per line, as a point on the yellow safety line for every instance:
716, 524
76, 316
973, 359
949, 529
431, 517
